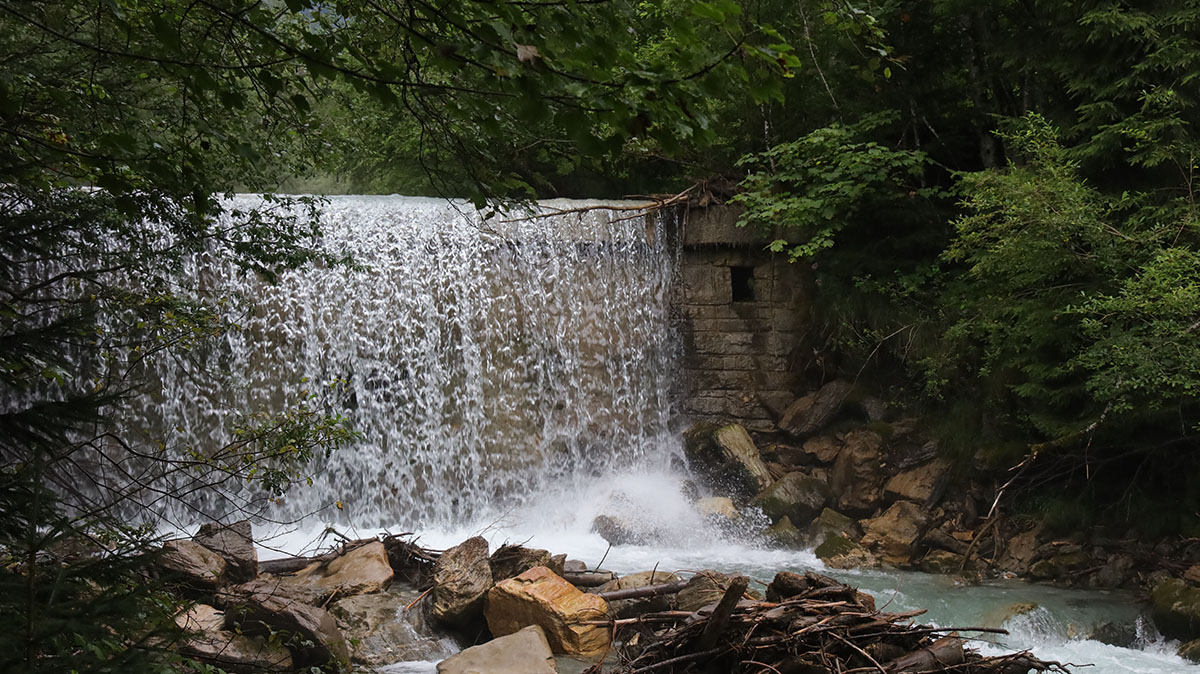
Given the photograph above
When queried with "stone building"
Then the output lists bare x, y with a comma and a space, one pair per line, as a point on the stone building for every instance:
743, 312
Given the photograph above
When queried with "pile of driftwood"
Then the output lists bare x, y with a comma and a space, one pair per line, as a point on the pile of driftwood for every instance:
809, 624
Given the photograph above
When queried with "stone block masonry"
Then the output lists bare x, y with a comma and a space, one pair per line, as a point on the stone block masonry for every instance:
741, 309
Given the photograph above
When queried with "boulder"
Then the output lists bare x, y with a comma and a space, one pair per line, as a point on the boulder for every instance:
812, 412
193, 564
727, 458
893, 536
523, 652
840, 552
1190, 651
788, 584
857, 474
795, 496
1175, 607
823, 448
235, 543
540, 597
209, 642
616, 530
1019, 552
513, 560
1000, 615
941, 561
1061, 566
918, 484
1117, 569
362, 570
785, 534
1120, 634
311, 632
831, 523
380, 632
462, 577
626, 608
720, 507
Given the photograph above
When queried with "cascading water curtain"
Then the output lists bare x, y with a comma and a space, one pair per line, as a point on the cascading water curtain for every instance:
479, 361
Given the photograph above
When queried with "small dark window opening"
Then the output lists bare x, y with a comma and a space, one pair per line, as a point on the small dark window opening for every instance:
741, 282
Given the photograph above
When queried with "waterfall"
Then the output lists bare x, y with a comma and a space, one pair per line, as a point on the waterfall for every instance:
479, 360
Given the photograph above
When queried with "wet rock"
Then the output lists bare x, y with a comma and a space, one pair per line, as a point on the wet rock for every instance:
785, 534
311, 632
812, 412
857, 474
1000, 615
717, 506
235, 543
1061, 566
831, 523
462, 577
795, 496
823, 448
626, 608
840, 552
727, 458
193, 564
788, 584
524, 652
378, 630
513, 560
1122, 635
1175, 607
361, 570
211, 643
1020, 552
917, 484
1117, 569
539, 597
893, 536
942, 562
1190, 651
616, 530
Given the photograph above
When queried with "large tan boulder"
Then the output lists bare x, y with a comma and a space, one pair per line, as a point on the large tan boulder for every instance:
208, 641
917, 484
727, 459
235, 543
893, 535
362, 570
823, 448
193, 564
540, 597
812, 412
858, 473
524, 652
269, 603
462, 577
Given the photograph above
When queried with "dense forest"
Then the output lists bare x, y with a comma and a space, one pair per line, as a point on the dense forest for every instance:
996, 198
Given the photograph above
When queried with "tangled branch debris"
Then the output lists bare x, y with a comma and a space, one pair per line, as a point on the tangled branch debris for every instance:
810, 624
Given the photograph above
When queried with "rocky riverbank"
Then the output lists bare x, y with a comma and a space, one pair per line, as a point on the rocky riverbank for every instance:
865, 490
517, 610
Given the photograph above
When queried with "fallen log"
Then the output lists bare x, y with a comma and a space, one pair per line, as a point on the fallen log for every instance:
644, 591
720, 616
588, 578
945, 652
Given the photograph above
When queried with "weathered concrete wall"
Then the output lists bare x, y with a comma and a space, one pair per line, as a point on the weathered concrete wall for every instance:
743, 311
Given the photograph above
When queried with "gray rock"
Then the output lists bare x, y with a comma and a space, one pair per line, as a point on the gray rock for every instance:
211, 643
785, 534
1116, 570
523, 652
728, 460
462, 577
381, 632
235, 543
193, 564
812, 412
704, 588
627, 608
309, 631
831, 523
795, 496
858, 473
